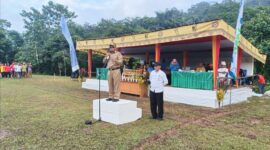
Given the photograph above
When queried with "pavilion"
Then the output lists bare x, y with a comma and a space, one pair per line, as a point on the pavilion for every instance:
207, 42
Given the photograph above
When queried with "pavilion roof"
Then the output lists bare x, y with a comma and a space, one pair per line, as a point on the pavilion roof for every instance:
182, 33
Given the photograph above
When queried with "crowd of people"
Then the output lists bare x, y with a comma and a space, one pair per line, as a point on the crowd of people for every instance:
16, 70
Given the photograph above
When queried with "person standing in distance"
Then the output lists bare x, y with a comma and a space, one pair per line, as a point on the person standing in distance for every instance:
261, 83
158, 80
114, 60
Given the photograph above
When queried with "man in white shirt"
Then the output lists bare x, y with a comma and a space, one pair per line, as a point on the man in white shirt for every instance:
158, 80
223, 73
15, 70
18, 70
223, 70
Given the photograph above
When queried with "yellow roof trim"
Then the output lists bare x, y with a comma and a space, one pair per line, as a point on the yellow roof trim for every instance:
201, 30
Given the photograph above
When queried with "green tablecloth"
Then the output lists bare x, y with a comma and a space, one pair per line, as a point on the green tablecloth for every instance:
103, 73
192, 80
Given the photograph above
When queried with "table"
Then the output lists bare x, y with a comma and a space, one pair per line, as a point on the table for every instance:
192, 80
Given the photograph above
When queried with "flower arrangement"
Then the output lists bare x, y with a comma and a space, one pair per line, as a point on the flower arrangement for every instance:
220, 96
137, 76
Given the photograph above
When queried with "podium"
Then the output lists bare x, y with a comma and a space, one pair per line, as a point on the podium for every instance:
121, 112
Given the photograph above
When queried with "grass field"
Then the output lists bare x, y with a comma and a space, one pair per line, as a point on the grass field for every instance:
49, 113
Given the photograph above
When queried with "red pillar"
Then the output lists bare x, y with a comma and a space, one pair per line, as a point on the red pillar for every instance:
157, 52
89, 63
239, 62
147, 57
185, 59
215, 57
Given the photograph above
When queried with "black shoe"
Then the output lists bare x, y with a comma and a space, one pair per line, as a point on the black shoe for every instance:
159, 119
152, 117
109, 99
115, 100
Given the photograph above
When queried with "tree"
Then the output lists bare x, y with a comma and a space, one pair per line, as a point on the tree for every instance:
258, 2
170, 18
43, 38
257, 30
10, 41
44, 45
5, 44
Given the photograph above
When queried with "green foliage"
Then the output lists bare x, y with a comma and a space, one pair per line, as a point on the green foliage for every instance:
257, 30
44, 45
258, 2
9, 42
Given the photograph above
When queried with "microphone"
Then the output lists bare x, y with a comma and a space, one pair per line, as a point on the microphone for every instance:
106, 61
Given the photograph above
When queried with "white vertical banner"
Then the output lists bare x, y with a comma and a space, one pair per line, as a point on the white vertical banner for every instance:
236, 41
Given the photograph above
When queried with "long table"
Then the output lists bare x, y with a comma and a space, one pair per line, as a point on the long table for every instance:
192, 80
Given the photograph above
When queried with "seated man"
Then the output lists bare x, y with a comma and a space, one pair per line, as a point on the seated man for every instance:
223, 74
163, 64
200, 68
209, 67
174, 66
150, 67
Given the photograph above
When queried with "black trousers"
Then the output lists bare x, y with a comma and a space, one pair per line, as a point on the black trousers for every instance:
7, 74
156, 104
4, 74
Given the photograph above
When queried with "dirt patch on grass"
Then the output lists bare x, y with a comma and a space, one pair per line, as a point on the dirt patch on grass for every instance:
254, 121
4, 134
251, 135
170, 132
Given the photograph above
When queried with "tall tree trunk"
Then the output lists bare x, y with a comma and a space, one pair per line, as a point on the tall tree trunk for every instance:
59, 70
37, 57
65, 67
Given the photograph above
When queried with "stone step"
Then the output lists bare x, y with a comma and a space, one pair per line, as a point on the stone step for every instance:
121, 112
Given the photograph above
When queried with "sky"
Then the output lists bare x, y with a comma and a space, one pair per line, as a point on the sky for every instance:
92, 11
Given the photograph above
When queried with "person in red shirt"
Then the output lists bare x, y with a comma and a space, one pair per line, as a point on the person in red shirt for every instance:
261, 83
7, 71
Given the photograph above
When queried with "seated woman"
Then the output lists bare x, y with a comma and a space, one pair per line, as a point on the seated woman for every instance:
200, 68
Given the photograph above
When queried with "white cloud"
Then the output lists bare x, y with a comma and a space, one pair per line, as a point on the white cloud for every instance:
92, 11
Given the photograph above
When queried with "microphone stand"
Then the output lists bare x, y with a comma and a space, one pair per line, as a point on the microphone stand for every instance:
99, 117
89, 122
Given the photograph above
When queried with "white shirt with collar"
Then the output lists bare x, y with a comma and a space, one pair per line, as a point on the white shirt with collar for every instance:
222, 72
158, 80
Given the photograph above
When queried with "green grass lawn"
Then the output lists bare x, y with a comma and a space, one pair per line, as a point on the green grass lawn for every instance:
49, 113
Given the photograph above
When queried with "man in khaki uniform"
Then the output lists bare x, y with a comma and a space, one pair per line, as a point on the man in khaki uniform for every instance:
114, 60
